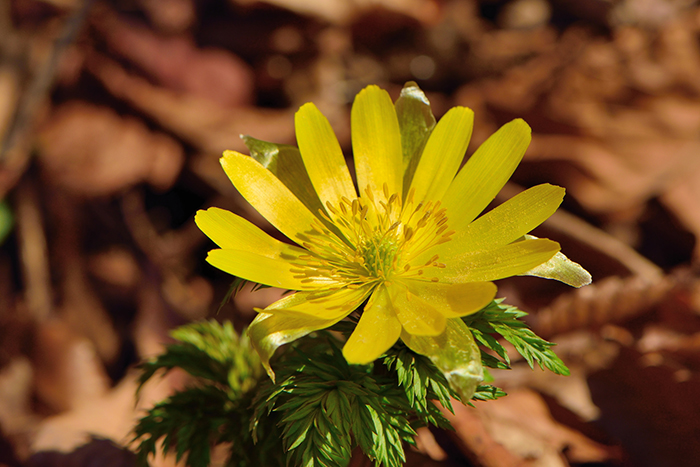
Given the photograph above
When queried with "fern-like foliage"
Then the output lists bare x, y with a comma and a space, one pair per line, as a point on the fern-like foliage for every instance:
326, 407
215, 408
422, 383
321, 408
236, 286
497, 318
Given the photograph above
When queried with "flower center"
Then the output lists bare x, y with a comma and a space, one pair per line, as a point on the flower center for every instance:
369, 241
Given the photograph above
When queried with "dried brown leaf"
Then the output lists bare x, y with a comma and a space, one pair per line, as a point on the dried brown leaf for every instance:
92, 151
16, 380
207, 125
170, 16
475, 441
610, 300
113, 415
522, 423
176, 63
650, 406
519, 430
343, 12
622, 114
97, 451
583, 352
68, 371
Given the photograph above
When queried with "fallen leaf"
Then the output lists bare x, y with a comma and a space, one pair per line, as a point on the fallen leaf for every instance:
92, 151
343, 12
16, 381
176, 63
209, 126
650, 406
522, 426
67, 370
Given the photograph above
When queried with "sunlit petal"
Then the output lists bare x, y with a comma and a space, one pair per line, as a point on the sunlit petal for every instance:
324, 304
455, 353
485, 173
443, 154
268, 195
490, 265
376, 332
233, 232
322, 156
454, 300
285, 163
269, 331
509, 221
376, 142
272, 271
417, 316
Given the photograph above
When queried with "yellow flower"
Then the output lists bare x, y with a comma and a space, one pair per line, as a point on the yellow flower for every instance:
407, 242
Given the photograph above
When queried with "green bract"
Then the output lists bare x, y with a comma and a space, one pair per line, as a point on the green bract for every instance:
406, 242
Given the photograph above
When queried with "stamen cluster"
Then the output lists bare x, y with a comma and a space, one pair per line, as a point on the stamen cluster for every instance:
368, 240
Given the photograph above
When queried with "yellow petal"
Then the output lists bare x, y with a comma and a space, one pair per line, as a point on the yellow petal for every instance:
285, 163
454, 300
323, 304
232, 232
443, 154
455, 353
485, 173
272, 271
269, 331
490, 265
322, 156
376, 142
509, 221
376, 332
417, 316
270, 197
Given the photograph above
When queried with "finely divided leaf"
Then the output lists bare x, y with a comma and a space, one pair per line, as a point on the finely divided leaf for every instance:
498, 318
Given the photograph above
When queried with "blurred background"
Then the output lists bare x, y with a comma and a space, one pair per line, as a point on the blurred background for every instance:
113, 115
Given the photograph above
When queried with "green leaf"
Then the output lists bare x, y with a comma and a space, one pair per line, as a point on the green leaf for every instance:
325, 407
488, 393
211, 351
6, 220
422, 383
216, 408
236, 286
498, 318
189, 421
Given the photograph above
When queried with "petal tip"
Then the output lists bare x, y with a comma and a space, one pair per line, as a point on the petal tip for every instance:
307, 107
371, 91
199, 216
354, 357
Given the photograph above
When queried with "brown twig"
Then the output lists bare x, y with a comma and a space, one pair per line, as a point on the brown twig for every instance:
33, 252
16, 144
